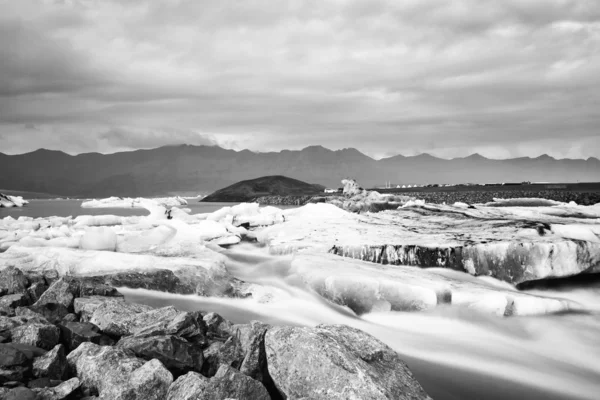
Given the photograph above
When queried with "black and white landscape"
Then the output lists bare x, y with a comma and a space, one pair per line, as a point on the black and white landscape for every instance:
335, 199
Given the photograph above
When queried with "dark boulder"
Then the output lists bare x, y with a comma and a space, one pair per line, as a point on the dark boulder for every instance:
75, 333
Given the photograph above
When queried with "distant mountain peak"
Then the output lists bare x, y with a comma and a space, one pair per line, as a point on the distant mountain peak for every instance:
316, 148
544, 157
476, 156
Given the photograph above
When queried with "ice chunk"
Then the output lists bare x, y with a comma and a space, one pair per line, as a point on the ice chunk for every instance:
98, 239
139, 202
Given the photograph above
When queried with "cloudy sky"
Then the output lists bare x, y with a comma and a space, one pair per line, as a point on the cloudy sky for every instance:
504, 78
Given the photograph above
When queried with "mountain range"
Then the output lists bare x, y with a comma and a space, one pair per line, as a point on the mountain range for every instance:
202, 169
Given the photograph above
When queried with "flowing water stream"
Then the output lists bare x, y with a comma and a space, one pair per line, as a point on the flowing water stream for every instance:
454, 353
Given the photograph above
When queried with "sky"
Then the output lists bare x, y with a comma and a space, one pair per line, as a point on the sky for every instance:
503, 78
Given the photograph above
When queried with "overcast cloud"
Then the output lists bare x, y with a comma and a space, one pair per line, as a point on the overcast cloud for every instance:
504, 78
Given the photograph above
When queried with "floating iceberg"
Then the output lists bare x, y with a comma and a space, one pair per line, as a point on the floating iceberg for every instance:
139, 202
7, 201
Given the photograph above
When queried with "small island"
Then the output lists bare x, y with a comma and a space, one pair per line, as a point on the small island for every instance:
275, 185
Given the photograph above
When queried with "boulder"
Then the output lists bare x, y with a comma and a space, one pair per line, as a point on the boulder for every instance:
52, 365
11, 357
103, 369
14, 364
20, 393
59, 392
255, 359
174, 352
188, 387
217, 327
44, 336
188, 325
150, 382
36, 290
62, 292
124, 319
120, 318
229, 383
12, 281
14, 300
75, 333
85, 306
336, 362
217, 353
6, 311
52, 312
41, 383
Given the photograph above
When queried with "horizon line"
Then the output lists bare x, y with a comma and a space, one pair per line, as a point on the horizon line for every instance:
303, 149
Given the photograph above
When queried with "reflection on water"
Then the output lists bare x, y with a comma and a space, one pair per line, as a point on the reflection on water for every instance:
454, 353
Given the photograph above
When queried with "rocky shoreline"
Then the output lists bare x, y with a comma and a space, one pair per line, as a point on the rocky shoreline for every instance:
75, 338
451, 197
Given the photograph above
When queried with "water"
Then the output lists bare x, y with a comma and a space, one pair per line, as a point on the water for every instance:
65, 208
454, 353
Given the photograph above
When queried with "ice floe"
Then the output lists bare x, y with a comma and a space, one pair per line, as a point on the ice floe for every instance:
139, 202
513, 244
8, 201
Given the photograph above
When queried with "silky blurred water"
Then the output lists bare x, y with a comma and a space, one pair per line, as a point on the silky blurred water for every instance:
455, 353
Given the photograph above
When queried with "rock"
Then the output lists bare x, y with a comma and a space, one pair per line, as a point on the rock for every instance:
75, 333
41, 383
151, 381
104, 370
255, 359
218, 353
39, 335
217, 326
6, 311
188, 325
14, 363
123, 319
52, 365
70, 318
336, 362
61, 292
229, 383
12, 281
53, 312
59, 392
174, 352
20, 393
36, 290
14, 300
188, 387
25, 315
13, 384
11, 357
85, 306
30, 351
